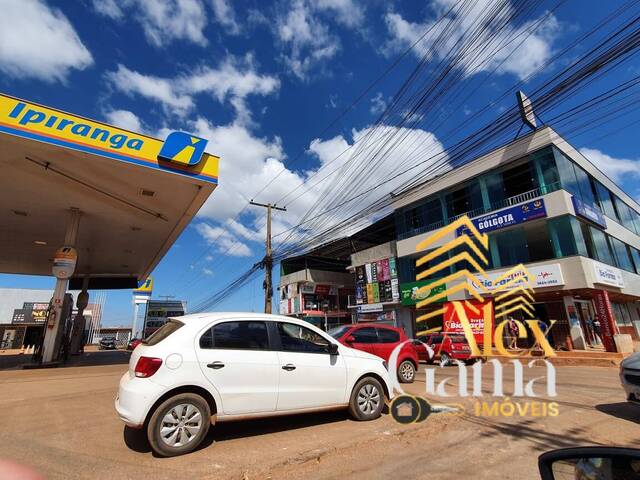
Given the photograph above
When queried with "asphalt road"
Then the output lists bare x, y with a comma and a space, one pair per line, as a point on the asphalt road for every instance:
61, 422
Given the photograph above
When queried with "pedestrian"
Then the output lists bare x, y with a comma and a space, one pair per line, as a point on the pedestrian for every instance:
596, 331
512, 329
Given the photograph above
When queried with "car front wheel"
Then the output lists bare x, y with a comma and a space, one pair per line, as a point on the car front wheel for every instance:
179, 425
406, 372
367, 399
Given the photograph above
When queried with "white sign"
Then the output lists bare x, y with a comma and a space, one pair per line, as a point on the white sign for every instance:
370, 308
307, 288
548, 275
607, 275
64, 262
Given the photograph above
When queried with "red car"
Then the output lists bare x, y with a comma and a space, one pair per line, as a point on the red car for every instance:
380, 340
446, 347
133, 343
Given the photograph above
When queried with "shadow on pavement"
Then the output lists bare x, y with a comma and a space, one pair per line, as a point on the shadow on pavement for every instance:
87, 359
137, 439
530, 430
623, 410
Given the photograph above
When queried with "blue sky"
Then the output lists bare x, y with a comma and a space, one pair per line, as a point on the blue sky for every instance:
260, 80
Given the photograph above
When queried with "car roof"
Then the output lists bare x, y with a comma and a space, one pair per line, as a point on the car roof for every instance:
196, 320
377, 325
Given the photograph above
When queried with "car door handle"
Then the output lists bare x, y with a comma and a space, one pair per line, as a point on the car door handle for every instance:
215, 365
288, 367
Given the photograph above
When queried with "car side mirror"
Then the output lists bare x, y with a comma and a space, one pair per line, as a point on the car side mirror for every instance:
332, 348
590, 462
350, 339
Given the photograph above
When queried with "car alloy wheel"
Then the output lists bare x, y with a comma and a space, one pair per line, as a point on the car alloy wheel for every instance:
368, 399
445, 359
407, 372
180, 425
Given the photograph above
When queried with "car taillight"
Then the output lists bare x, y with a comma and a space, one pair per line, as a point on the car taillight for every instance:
147, 366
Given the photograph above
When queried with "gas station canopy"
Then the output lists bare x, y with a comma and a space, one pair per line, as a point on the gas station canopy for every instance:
135, 194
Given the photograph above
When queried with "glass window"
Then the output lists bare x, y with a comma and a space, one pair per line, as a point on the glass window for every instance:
413, 219
547, 166
337, 332
458, 202
636, 220
388, 336
365, 335
584, 185
518, 179
495, 189
432, 211
623, 257
635, 255
512, 247
296, 338
601, 246
237, 335
604, 199
561, 233
567, 173
588, 240
538, 241
163, 332
626, 214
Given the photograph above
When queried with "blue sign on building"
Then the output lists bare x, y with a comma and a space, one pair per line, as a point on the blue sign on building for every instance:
507, 217
588, 212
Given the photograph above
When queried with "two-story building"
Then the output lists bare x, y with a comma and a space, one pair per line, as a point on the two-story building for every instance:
545, 205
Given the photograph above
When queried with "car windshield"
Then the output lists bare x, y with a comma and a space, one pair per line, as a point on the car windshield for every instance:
457, 338
337, 332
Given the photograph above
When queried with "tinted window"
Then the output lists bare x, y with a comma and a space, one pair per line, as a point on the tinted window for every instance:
295, 338
388, 336
337, 332
365, 335
236, 335
436, 339
163, 332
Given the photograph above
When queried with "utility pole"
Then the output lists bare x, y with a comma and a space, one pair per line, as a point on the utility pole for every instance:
268, 261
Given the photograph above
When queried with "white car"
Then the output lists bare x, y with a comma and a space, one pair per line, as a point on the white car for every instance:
206, 368
630, 377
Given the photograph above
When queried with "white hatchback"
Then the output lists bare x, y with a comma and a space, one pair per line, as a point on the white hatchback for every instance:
206, 368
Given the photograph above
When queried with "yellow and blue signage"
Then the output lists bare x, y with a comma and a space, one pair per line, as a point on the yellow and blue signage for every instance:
182, 148
145, 287
507, 217
43, 124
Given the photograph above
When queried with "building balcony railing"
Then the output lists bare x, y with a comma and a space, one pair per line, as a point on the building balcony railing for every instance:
507, 202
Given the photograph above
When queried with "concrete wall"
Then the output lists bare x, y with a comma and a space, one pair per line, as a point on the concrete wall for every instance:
373, 254
345, 279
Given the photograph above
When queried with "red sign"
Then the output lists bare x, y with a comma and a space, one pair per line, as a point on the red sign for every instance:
322, 289
608, 326
474, 312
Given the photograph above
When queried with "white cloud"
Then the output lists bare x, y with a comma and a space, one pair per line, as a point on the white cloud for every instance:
207, 271
224, 241
162, 90
233, 81
498, 47
306, 39
125, 119
108, 8
39, 42
617, 169
162, 21
378, 104
225, 16
347, 12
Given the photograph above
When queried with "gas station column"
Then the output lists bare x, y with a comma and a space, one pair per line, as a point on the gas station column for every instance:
63, 267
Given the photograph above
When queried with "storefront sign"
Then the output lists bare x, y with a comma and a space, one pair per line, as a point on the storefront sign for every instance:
372, 307
607, 275
588, 212
64, 262
410, 296
145, 287
322, 289
605, 317
507, 217
548, 275
307, 288
475, 313
47, 125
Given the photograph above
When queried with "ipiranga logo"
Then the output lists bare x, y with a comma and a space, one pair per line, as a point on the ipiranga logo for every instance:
183, 148
31, 116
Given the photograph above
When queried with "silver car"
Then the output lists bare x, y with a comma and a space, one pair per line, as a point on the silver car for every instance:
630, 377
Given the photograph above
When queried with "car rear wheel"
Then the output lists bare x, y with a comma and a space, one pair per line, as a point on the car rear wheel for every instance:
367, 399
406, 372
445, 359
179, 424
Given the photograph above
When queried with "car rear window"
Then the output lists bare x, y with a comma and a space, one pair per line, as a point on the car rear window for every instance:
386, 335
337, 332
163, 332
